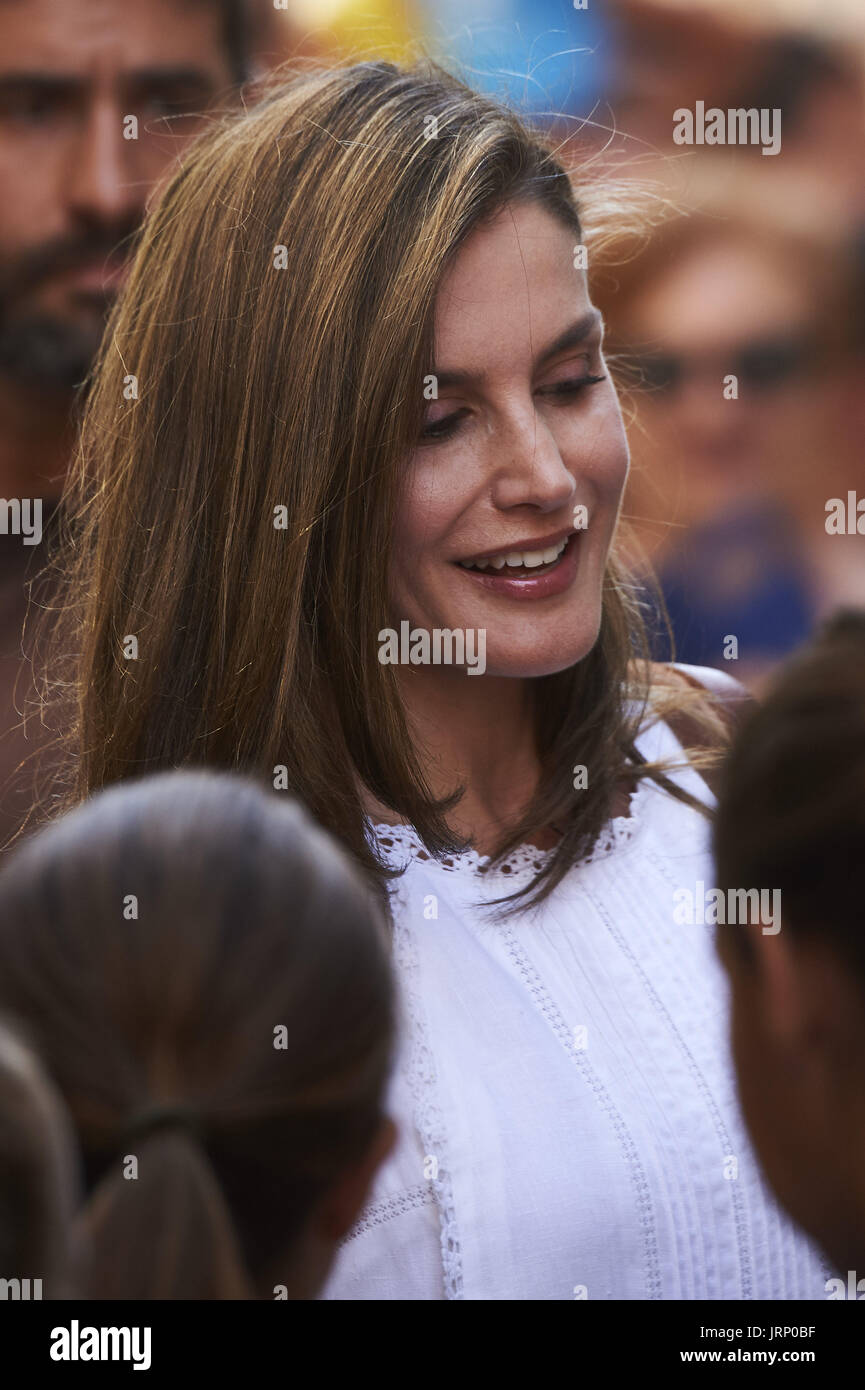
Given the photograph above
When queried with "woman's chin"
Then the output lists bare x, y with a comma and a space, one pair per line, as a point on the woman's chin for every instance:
536, 661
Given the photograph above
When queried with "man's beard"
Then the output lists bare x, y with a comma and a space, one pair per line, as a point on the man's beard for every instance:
47, 352
53, 351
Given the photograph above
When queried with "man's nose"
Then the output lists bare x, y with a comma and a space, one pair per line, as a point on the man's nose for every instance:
703, 408
102, 186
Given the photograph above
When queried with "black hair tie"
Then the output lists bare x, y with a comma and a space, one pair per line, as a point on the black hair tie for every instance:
157, 1117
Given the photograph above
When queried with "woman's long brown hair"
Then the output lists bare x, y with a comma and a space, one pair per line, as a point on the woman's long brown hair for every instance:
269, 354
191, 943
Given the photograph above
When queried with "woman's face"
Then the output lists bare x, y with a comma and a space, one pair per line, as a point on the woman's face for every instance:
525, 429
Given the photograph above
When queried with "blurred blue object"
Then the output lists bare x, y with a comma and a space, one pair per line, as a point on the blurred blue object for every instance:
739, 576
540, 56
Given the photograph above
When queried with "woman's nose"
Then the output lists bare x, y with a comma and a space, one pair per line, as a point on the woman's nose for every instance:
528, 467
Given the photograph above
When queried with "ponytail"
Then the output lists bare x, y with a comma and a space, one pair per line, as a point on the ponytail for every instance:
157, 1226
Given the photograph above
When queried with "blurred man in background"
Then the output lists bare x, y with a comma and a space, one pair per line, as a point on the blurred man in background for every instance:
97, 98
806, 60
741, 323
742, 317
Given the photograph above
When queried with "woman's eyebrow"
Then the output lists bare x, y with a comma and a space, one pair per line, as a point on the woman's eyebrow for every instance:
572, 336
578, 332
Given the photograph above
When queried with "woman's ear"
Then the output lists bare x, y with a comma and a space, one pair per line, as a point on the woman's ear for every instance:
340, 1207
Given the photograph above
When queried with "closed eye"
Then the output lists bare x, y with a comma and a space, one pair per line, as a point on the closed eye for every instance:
562, 390
571, 387
443, 428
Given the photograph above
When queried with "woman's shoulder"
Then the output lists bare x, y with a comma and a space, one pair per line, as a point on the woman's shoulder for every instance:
679, 675
686, 694
702, 708
719, 683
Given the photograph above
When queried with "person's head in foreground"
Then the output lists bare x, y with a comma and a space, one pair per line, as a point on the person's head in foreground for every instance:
373, 416
791, 819
205, 982
39, 1188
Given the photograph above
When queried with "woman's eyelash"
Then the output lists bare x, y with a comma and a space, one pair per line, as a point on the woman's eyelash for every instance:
442, 429
570, 388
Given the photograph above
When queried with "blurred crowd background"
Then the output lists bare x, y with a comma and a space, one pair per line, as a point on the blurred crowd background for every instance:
735, 263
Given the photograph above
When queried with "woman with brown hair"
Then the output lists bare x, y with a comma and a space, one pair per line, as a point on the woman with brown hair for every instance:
204, 981
345, 517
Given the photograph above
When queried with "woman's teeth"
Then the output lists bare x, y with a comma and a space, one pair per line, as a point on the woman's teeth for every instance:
515, 559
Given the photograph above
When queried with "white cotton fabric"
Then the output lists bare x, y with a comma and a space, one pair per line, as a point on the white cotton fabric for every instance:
538, 1162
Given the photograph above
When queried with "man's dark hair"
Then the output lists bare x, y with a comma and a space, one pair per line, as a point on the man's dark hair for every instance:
236, 36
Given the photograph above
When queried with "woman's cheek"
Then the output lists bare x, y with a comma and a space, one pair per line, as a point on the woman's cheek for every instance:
441, 485
424, 517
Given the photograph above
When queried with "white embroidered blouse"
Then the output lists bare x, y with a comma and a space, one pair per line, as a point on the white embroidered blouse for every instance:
564, 1091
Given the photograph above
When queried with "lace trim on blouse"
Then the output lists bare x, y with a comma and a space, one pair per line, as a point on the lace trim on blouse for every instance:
400, 843
396, 1205
423, 1084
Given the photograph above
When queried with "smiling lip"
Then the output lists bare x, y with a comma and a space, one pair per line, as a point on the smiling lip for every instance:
551, 580
530, 543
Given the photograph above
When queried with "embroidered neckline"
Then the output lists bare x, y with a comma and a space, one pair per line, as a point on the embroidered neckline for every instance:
399, 843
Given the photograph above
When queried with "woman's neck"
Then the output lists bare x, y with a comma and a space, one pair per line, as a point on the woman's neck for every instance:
476, 733
479, 735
